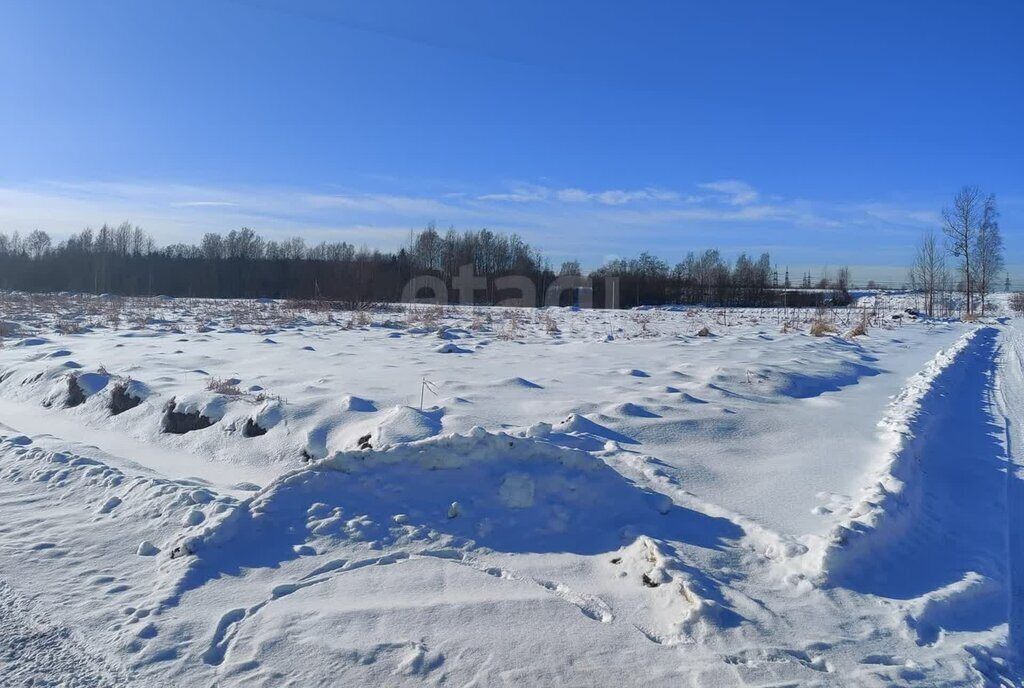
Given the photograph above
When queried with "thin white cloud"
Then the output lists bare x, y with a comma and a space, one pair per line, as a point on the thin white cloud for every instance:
204, 204
538, 194
903, 216
564, 221
573, 196
619, 197
519, 194
736, 192
376, 203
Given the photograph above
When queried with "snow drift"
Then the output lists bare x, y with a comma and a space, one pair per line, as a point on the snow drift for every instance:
893, 502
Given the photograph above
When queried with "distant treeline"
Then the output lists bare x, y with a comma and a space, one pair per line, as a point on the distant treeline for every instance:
125, 260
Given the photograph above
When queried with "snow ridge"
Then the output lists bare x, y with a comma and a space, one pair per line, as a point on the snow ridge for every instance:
887, 507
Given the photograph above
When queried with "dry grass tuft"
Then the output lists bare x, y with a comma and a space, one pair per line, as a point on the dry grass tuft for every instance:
859, 330
225, 387
820, 328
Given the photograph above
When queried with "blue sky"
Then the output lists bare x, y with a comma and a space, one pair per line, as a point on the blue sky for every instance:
826, 133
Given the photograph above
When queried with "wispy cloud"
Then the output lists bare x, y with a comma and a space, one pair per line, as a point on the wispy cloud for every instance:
903, 216
565, 221
203, 204
540, 194
734, 191
618, 196
527, 193
377, 203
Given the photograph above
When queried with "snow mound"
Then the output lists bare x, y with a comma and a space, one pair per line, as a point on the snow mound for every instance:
798, 384
32, 341
92, 383
192, 412
74, 389
450, 348
126, 394
206, 404
687, 605
519, 382
452, 333
479, 490
576, 425
632, 410
801, 378
269, 414
406, 424
351, 403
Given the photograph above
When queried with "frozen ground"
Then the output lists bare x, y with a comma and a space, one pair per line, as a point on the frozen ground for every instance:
288, 496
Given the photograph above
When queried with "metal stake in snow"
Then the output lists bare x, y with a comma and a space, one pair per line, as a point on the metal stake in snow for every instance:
427, 384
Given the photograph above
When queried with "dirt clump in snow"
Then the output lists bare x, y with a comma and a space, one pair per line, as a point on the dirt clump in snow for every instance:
178, 422
121, 399
76, 396
253, 429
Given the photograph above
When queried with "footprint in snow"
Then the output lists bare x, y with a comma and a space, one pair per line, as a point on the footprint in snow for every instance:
110, 505
882, 659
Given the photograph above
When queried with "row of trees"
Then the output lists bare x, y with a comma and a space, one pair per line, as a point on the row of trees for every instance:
707, 278
124, 259
973, 240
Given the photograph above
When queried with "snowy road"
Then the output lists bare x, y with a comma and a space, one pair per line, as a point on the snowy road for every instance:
945, 549
1011, 389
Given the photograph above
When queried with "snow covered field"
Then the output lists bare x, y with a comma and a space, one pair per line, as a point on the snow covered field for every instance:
198, 492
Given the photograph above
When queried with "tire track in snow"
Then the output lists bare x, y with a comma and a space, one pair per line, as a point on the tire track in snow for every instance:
891, 506
941, 537
1011, 403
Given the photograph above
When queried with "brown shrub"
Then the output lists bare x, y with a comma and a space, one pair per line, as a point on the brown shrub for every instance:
859, 330
1017, 302
820, 328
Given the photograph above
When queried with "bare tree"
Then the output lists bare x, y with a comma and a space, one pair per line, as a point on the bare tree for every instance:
212, 246
989, 250
961, 225
1017, 302
570, 268
142, 243
842, 282
37, 242
123, 239
928, 273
